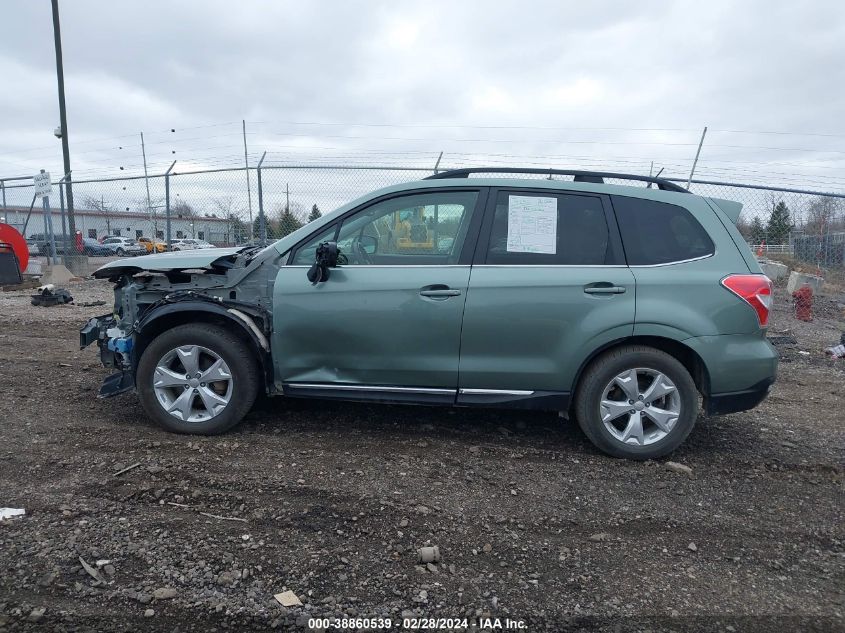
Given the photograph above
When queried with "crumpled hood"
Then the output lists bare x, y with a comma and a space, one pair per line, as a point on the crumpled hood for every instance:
163, 262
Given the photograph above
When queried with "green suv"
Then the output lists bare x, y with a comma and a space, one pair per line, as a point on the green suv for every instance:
623, 306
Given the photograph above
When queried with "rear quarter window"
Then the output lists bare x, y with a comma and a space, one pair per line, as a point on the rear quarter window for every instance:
659, 233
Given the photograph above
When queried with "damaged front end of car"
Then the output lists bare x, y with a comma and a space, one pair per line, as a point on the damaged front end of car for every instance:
156, 292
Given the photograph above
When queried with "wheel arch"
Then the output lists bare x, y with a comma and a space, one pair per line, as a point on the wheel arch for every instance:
693, 363
172, 315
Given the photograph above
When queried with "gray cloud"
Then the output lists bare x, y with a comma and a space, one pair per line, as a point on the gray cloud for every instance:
577, 67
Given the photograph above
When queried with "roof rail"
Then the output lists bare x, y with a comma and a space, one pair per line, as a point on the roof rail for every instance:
580, 176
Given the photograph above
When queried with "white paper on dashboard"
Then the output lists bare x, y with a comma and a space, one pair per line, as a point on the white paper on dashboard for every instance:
532, 225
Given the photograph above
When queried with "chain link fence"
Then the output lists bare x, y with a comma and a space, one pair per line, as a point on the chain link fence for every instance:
223, 207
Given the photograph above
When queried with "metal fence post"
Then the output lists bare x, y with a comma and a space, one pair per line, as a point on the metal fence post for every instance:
64, 227
262, 222
167, 200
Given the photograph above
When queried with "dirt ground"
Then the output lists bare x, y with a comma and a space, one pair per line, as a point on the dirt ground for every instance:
332, 501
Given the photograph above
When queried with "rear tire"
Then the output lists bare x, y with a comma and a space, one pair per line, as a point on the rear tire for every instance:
660, 392
216, 405
120, 252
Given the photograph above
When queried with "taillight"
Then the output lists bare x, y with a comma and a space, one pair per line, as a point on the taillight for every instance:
756, 290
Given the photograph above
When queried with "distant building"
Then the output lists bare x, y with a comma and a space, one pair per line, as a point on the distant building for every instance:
96, 224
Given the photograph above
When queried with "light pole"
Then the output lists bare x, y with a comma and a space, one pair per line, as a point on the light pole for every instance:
60, 77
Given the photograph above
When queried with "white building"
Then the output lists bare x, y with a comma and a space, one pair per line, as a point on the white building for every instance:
96, 224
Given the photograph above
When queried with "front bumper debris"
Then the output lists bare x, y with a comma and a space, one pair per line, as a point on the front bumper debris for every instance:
115, 352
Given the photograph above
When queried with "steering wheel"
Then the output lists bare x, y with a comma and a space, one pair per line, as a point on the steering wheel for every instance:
360, 252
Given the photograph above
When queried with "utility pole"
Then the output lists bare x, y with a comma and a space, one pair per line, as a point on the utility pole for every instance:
695, 162
60, 76
248, 190
150, 210
106, 211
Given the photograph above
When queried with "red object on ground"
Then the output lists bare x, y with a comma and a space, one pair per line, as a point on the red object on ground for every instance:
79, 241
760, 248
10, 235
803, 303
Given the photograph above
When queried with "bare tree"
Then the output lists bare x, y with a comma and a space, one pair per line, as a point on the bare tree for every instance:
93, 203
182, 209
824, 215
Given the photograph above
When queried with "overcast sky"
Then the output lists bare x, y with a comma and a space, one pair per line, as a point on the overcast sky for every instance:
590, 84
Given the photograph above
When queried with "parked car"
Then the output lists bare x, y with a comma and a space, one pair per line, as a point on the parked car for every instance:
152, 246
199, 243
123, 246
42, 242
181, 245
620, 306
32, 246
93, 248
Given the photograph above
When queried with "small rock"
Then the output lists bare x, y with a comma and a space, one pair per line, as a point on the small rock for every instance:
164, 593
145, 598
403, 523
422, 510
288, 599
681, 469
487, 548
47, 579
474, 449
600, 537
36, 614
149, 613
692, 547
226, 579
432, 568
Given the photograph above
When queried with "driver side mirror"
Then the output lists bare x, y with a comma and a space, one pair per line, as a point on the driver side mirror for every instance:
369, 243
326, 257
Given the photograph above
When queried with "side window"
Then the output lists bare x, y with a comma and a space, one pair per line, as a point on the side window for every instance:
549, 229
421, 228
659, 233
306, 253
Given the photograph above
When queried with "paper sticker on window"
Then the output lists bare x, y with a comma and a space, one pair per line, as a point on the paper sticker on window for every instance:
532, 225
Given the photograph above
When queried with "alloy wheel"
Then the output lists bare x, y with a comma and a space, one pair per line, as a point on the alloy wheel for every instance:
192, 383
640, 406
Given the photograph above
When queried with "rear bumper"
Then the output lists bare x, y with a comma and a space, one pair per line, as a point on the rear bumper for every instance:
741, 369
722, 403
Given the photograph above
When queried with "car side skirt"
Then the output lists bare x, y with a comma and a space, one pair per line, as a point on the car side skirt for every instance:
493, 398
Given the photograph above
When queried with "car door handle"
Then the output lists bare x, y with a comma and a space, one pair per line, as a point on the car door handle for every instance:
439, 291
604, 290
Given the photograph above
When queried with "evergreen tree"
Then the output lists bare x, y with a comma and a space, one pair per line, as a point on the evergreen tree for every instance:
779, 225
315, 213
288, 223
758, 231
271, 228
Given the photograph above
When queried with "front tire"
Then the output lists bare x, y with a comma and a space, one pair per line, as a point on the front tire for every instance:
197, 378
120, 252
636, 402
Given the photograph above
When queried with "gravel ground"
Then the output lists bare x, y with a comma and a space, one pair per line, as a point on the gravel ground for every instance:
331, 501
